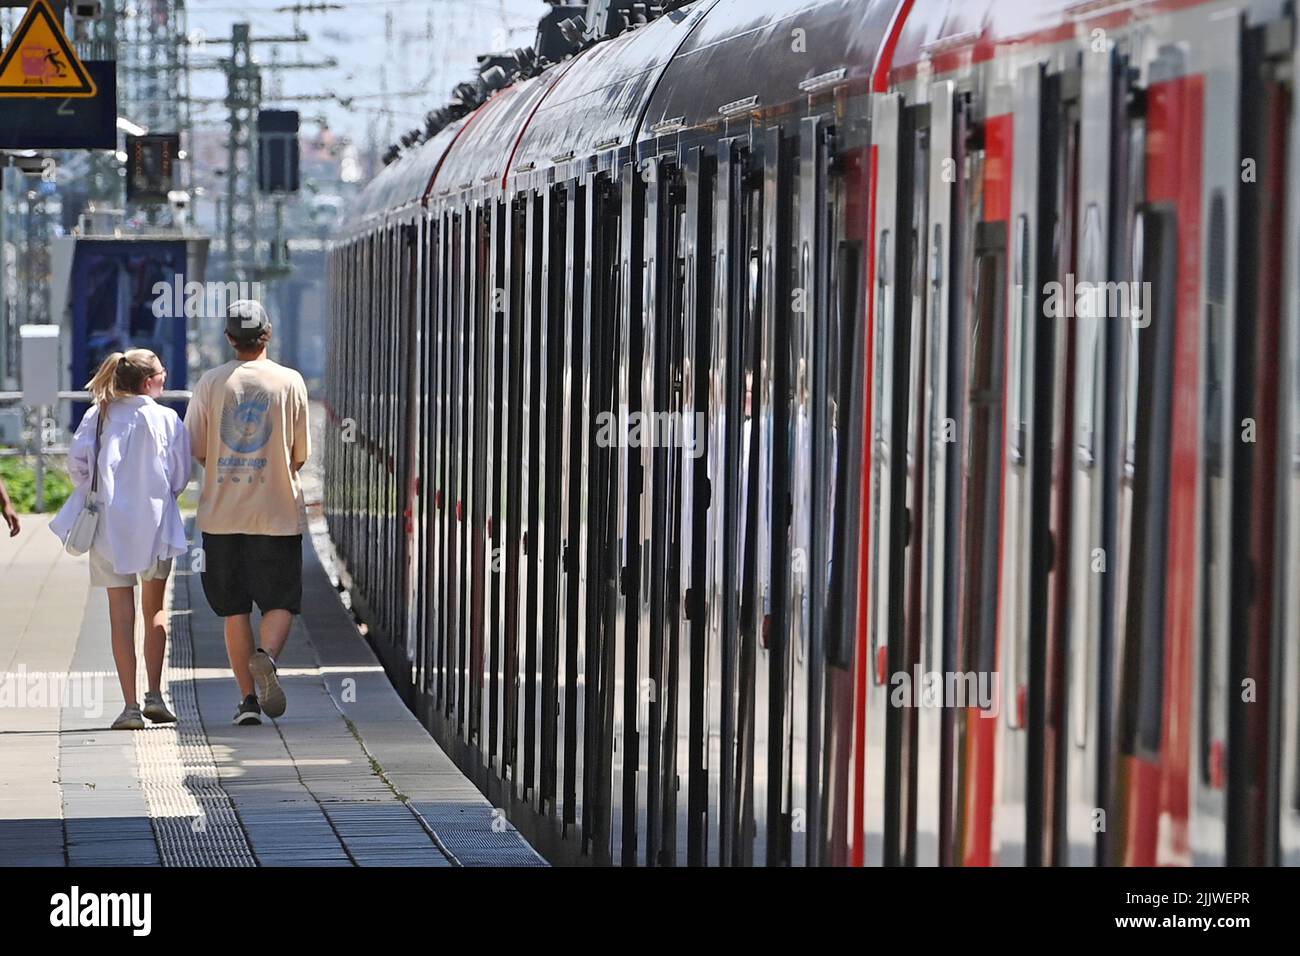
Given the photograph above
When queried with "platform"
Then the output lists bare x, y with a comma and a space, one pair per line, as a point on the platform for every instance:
347, 777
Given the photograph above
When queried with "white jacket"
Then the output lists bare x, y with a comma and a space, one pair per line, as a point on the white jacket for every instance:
144, 463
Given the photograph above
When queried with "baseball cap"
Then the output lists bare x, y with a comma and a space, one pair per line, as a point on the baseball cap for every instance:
246, 320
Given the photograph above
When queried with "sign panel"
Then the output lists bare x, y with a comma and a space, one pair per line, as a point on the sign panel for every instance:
66, 123
151, 167
277, 151
40, 61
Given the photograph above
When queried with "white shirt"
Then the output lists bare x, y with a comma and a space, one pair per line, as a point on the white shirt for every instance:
144, 463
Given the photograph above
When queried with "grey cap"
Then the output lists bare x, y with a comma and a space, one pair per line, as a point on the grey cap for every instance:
246, 320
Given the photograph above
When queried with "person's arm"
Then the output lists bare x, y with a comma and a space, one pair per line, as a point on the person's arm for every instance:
82, 449
196, 423
179, 461
301, 427
7, 510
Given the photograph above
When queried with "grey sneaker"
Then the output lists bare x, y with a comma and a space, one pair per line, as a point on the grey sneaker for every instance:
270, 695
129, 719
156, 710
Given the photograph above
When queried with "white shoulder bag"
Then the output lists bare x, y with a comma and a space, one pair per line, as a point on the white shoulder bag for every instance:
82, 533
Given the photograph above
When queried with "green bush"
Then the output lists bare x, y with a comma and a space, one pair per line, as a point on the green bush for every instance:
19, 476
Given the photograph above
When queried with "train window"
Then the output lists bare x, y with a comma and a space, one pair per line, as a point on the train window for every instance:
1090, 341
751, 487
848, 307
882, 429
1213, 549
984, 379
1021, 354
1151, 354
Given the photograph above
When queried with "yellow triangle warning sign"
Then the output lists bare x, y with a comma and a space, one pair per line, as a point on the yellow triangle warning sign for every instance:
40, 61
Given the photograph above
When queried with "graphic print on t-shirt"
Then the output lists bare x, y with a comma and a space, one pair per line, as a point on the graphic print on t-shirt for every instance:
245, 429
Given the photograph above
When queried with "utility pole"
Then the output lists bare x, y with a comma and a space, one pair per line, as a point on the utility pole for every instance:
243, 99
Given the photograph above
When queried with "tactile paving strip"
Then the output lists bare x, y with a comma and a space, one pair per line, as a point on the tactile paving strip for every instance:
194, 820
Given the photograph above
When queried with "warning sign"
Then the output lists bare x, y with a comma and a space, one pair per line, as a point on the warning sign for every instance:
40, 61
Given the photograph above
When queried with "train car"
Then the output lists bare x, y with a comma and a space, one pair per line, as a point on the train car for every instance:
842, 432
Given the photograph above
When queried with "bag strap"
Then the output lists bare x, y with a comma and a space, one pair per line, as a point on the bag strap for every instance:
94, 469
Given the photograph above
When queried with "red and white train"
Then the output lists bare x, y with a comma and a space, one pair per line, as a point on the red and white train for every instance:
847, 432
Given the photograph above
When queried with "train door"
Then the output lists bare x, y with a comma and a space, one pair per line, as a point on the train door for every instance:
1084, 715
602, 258
569, 655
772, 546
721, 444
1037, 485
691, 540
515, 240
550, 417
436, 580
724, 438
1210, 739
887, 518
412, 444
663, 443
457, 566
532, 373
895, 690
984, 240
624, 689
748, 799
477, 317
1289, 468
812, 470
426, 389
940, 435
1158, 491
496, 366
841, 164
1259, 450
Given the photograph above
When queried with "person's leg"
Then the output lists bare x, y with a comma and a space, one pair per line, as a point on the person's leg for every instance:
239, 647
227, 594
152, 595
277, 586
121, 617
275, 631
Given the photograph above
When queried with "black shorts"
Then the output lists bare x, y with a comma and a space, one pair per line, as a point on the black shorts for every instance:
240, 569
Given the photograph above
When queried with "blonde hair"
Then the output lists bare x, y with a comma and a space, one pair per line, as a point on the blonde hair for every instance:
120, 375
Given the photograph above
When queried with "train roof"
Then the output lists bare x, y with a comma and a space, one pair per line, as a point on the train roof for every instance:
951, 33
483, 153
620, 90
403, 182
599, 102
760, 55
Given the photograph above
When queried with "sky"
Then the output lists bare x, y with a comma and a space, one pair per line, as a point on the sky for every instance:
417, 49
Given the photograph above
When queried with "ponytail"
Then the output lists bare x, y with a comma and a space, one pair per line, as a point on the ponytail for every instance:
120, 375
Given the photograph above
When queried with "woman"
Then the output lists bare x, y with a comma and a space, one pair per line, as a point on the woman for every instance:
144, 463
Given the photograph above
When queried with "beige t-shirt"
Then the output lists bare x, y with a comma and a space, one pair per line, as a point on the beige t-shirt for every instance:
248, 425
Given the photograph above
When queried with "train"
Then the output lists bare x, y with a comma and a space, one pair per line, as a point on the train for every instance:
844, 433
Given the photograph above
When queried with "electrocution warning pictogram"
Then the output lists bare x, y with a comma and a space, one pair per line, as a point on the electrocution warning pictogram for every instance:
40, 61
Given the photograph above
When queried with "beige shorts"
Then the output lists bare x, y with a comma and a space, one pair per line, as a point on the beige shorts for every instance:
102, 574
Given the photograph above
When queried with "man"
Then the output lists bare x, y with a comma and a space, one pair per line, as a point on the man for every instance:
248, 427
7, 511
